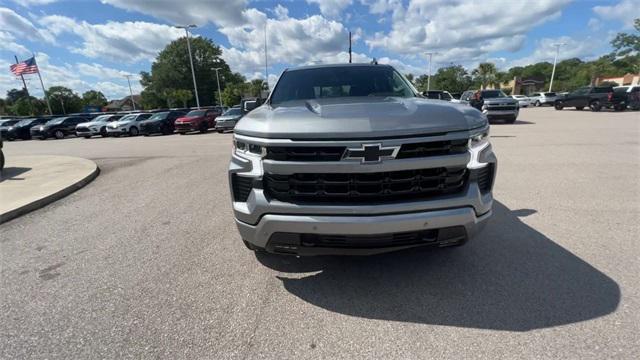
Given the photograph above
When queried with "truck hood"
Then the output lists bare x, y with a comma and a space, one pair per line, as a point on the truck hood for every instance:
358, 117
186, 119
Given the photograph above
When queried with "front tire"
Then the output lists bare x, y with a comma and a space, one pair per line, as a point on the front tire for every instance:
595, 106
58, 134
87, 137
133, 131
511, 120
103, 131
537, 103
579, 108
559, 105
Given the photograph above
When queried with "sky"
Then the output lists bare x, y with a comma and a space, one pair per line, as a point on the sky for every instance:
86, 44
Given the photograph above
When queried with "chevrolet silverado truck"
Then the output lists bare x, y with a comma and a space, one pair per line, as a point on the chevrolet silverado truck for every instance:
350, 159
594, 97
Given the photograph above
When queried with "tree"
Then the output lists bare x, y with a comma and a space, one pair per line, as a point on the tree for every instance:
486, 74
63, 100
14, 94
625, 44
182, 96
409, 77
93, 97
172, 70
453, 78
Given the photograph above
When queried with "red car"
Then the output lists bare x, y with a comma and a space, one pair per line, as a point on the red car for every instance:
197, 120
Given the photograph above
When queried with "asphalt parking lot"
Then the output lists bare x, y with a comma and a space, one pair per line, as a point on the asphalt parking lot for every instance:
145, 262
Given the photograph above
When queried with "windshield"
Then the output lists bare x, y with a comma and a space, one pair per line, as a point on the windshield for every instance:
233, 111
8, 122
490, 94
25, 122
57, 121
159, 116
101, 118
550, 94
340, 81
128, 118
195, 113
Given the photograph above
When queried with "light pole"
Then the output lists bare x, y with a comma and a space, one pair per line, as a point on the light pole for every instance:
193, 73
430, 54
555, 59
218, 80
133, 103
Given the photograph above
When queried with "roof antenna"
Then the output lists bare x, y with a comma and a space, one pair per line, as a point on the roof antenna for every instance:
374, 61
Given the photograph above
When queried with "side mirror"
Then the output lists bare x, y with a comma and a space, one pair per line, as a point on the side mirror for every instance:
250, 105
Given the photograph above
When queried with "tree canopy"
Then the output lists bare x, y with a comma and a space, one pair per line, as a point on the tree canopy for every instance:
172, 70
93, 97
63, 100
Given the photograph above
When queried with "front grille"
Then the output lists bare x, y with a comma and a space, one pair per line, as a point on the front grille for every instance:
334, 153
485, 178
296, 153
368, 241
366, 187
433, 148
241, 187
82, 129
186, 126
501, 107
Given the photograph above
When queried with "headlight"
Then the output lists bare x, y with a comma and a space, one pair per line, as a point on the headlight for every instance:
247, 149
484, 107
477, 143
41, 127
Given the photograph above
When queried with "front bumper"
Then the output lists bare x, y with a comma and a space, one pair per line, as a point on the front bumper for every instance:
185, 127
87, 132
263, 220
117, 131
500, 113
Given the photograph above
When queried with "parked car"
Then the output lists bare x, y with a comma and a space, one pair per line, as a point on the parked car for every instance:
22, 129
542, 98
197, 120
97, 126
5, 125
355, 170
162, 122
594, 97
523, 101
57, 127
229, 119
127, 125
438, 94
632, 94
497, 105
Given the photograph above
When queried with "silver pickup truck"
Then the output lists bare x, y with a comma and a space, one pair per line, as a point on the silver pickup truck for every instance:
351, 159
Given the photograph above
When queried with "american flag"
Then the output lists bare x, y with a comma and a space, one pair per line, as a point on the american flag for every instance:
28, 66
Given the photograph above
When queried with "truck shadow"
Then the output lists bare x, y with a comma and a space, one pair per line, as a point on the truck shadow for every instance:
12, 173
511, 277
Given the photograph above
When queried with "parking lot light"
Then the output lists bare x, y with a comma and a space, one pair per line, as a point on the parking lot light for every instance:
218, 80
193, 74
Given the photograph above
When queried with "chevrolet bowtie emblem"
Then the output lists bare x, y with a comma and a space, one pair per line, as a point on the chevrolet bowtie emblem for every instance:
371, 153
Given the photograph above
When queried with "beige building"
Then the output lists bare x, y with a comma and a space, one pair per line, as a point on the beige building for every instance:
628, 79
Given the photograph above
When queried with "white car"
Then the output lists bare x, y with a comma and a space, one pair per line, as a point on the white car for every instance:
97, 126
543, 98
127, 125
523, 101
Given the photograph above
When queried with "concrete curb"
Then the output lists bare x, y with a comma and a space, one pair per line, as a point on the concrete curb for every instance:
37, 204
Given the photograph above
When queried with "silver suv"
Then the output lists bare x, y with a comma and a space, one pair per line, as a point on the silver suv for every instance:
350, 159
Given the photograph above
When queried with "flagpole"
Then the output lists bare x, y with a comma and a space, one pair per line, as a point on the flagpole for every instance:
42, 84
26, 90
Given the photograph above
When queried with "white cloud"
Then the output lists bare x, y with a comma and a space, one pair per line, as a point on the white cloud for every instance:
583, 48
625, 12
28, 3
21, 27
331, 8
199, 12
98, 71
120, 41
594, 24
7, 42
281, 12
460, 30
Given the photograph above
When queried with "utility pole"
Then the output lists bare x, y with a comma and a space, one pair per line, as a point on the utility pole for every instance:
133, 103
266, 64
218, 80
555, 59
193, 73
430, 54
349, 47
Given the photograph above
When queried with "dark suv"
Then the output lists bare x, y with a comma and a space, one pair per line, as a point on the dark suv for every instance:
58, 127
21, 129
162, 122
595, 97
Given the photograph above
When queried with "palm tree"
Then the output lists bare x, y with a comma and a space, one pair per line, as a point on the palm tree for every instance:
486, 73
